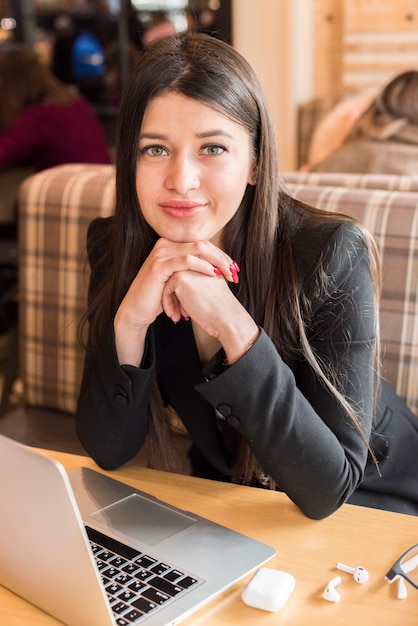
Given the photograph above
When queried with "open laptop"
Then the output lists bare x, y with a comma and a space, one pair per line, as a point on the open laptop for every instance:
92, 551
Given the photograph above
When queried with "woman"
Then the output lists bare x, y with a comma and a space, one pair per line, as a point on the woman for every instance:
217, 296
43, 123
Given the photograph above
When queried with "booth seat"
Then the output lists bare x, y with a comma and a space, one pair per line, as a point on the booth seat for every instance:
388, 206
55, 209
57, 205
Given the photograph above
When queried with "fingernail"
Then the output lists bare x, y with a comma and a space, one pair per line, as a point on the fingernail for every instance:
235, 277
186, 318
234, 273
216, 271
235, 264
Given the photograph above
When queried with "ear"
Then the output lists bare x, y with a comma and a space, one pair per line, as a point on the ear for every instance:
253, 175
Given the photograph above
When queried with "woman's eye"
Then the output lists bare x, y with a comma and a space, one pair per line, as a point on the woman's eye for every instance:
154, 150
213, 150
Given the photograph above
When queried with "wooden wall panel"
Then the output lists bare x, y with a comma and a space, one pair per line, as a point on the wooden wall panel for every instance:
381, 15
362, 43
329, 42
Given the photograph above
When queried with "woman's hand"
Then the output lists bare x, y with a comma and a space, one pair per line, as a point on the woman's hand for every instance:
144, 300
210, 303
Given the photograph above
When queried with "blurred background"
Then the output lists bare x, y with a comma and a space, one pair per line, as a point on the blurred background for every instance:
307, 53
92, 44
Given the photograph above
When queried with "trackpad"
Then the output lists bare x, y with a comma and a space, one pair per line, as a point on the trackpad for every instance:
142, 520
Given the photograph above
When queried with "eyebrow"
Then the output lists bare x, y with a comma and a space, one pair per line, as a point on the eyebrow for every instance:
204, 135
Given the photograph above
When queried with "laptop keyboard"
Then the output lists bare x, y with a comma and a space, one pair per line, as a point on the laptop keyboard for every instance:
136, 583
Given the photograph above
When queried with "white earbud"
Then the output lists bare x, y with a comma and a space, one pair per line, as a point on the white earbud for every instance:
402, 592
330, 593
360, 574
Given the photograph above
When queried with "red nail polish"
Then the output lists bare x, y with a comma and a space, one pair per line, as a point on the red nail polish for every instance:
234, 273
235, 277
235, 264
216, 271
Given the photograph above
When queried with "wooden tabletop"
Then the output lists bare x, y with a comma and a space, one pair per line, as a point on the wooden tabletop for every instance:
307, 549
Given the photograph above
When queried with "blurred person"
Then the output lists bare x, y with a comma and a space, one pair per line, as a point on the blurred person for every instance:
43, 122
374, 131
78, 52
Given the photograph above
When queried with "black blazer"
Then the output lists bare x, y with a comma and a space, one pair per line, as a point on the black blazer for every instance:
296, 429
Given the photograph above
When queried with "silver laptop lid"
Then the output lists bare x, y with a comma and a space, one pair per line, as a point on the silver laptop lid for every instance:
45, 556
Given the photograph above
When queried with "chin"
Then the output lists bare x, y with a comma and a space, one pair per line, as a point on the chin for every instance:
187, 237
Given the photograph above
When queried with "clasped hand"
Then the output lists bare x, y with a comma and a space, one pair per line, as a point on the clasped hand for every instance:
186, 280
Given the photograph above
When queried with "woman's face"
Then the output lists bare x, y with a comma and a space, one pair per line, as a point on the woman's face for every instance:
193, 167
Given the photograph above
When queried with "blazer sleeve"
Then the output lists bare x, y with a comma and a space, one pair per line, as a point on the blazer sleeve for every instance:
298, 431
112, 408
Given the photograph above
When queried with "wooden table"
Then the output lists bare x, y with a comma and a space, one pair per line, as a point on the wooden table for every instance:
307, 549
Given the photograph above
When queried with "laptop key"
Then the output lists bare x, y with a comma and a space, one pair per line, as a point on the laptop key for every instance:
95, 548
173, 575
123, 579
143, 605
165, 586
187, 582
127, 596
113, 588
160, 568
137, 585
130, 568
110, 572
118, 561
119, 607
133, 616
156, 596
143, 574
146, 561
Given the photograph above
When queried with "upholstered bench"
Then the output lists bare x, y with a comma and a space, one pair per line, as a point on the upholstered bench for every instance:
55, 209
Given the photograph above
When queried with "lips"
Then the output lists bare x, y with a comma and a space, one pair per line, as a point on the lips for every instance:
182, 208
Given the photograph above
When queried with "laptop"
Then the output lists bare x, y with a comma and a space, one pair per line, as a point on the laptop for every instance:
92, 551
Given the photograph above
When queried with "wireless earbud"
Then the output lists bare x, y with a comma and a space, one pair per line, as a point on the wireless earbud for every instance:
402, 592
330, 593
360, 574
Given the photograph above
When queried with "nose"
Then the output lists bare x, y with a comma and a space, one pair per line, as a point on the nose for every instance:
183, 174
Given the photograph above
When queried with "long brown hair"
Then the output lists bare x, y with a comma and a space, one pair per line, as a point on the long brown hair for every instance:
25, 80
260, 234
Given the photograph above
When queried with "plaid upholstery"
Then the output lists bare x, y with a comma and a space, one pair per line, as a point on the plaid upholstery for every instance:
392, 218
363, 181
55, 209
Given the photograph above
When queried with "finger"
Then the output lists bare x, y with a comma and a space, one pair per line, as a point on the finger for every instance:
184, 313
200, 256
171, 306
222, 262
167, 267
